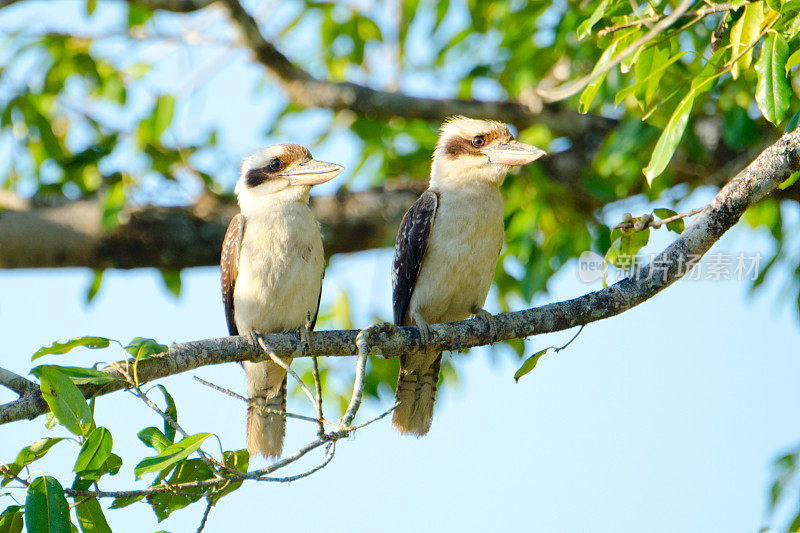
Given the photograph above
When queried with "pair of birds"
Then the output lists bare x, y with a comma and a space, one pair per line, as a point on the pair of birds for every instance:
445, 258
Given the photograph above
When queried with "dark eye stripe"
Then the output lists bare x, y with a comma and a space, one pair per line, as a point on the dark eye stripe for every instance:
257, 176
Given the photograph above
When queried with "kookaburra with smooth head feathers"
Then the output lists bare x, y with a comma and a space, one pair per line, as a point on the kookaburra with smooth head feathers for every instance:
447, 248
272, 268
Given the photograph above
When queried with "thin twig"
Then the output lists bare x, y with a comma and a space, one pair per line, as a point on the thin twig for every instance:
202, 525
315, 372
137, 391
4, 470
556, 350
700, 13
77, 503
288, 479
258, 405
371, 420
358, 382
647, 221
278, 361
568, 89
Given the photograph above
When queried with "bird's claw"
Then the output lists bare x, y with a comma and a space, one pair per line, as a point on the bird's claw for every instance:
424, 332
306, 345
364, 336
256, 339
490, 321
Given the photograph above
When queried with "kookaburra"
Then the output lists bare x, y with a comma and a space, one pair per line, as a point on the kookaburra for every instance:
272, 268
447, 248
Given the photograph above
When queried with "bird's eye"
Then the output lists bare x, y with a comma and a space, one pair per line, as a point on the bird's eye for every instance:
478, 141
275, 165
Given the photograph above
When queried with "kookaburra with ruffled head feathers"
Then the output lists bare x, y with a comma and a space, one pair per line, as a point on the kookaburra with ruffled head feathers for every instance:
272, 268
447, 248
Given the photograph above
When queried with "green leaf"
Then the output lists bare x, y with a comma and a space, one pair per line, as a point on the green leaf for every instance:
11, 519
676, 225
792, 123
91, 517
63, 347
113, 203
585, 29
743, 34
95, 451
186, 471
792, 62
97, 280
624, 248
172, 280
154, 438
162, 115
46, 508
79, 375
671, 136
773, 90
529, 364
138, 15
791, 5
141, 347
171, 455
791, 180
172, 411
237, 460
587, 96
119, 503
663, 212
29, 454
647, 79
91, 5
66, 401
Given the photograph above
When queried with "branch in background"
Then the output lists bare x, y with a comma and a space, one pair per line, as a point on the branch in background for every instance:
71, 235
179, 237
762, 176
305, 90
572, 88
699, 14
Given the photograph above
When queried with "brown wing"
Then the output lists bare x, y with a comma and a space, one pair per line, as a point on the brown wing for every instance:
229, 264
409, 250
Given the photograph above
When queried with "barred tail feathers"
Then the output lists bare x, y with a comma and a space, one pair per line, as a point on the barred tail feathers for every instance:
266, 383
416, 394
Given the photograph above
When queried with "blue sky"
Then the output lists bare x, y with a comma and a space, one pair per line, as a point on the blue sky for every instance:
666, 418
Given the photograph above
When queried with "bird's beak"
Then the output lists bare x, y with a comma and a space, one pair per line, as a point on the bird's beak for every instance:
312, 172
513, 153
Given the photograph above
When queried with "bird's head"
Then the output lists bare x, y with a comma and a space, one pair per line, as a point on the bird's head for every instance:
471, 150
283, 172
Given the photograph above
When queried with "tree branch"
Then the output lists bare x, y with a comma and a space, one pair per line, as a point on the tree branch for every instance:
180, 237
306, 90
17, 383
763, 175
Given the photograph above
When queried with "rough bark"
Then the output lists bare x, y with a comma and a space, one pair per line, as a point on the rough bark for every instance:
762, 176
179, 237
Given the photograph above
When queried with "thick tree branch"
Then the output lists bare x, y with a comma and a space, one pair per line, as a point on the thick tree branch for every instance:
180, 237
763, 175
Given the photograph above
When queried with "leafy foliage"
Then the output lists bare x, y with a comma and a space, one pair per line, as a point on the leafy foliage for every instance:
709, 89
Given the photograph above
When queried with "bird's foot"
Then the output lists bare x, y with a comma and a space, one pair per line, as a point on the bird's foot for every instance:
424, 331
306, 345
487, 317
367, 335
257, 340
